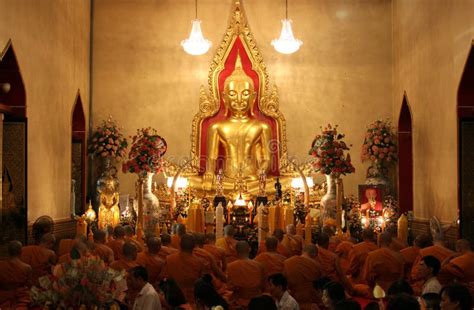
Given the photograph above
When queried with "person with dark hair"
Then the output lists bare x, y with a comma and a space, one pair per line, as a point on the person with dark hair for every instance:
165, 248
130, 237
206, 296
100, 249
278, 287
218, 253
174, 296
116, 244
431, 301
271, 260
411, 253
427, 271
262, 302
400, 286
151, 260
459, 267
358, 255
209, 261
147, 297
330, 261
455, 297
128, 260
402, 302
348, 304
333, 293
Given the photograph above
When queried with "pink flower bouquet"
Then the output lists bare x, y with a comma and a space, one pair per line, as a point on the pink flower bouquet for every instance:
108, 141
379, 143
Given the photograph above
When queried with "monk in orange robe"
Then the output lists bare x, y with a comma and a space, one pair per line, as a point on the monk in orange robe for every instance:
411, 253
358, 255
397, 243
184, 267
116, 244
209, 261
342, 251
130, 237
66, 257
176, 238
151, 260
459, 267
218, 253
165, 248
279, 234
301, 271
100, 249
228, 244
40, 257
129, 258
245, 277
65, 246
292, 241
272, 261
383, 266
15, 279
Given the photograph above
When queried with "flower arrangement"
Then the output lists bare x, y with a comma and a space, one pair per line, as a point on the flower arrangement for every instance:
379, 143
108, 141
146, 152
80, 282
328, 149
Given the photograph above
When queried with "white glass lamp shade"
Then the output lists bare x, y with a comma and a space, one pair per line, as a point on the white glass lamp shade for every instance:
240, 202
196, 44
297, 183
180, 182
286, 43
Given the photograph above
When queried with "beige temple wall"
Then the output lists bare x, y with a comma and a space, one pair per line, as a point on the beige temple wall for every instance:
431, 43
51, 42
342, 74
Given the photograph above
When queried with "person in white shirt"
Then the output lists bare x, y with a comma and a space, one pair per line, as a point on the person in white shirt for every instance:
428, 270
277, 285
147, 298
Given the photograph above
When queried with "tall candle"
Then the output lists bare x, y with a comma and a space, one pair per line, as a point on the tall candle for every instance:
219, 220
289, 215
199, 218
307, 228
271, 219
250, 207
229, 209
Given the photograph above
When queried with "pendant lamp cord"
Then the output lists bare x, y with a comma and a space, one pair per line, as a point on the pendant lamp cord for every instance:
286, 9
196, 6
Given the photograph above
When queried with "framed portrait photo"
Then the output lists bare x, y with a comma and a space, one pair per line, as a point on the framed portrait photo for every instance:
371, 197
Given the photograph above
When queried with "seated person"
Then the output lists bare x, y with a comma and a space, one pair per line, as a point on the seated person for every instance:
402, 301
206, 296
456, 296
333, 293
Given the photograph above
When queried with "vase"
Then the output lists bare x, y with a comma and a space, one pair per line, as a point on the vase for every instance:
151, 205
377, 174
328, 201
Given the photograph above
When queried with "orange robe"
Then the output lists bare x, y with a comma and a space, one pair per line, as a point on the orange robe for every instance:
39, 258
294, 244
228, 244
272, 262
440, 252
165, 251
117, 246
397, 244
281, 249
301, 271
357, 257
383, 266
185, 269
15, 277
152, 263
207, 258
175, 242
328, 263
65, 258
218, 253
459, 268
65, 246
342, 250
104, 252
139, 246
246, 280
409, 256
123, 264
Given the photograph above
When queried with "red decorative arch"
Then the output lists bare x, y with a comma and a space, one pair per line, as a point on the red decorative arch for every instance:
79, 137
405, 158
13, 102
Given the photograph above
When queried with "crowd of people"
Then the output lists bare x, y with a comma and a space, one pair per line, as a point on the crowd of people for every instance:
196, 271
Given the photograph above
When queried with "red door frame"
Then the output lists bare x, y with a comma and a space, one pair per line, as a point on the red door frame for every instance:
405, 158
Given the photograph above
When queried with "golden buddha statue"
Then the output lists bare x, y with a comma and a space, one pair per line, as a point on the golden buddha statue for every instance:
109, 212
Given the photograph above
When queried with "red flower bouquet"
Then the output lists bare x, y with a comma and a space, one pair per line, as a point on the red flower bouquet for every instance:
328, 149
379, 143
108, 141
146, 153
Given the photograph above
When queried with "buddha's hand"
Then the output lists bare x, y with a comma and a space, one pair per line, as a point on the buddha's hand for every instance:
207, 180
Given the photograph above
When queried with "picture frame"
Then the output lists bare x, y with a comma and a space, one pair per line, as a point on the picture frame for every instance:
377, 195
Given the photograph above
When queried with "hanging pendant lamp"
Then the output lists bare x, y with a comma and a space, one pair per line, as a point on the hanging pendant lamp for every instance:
286, 43
196, 44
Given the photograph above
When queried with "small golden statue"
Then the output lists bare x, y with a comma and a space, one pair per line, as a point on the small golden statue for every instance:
109, 212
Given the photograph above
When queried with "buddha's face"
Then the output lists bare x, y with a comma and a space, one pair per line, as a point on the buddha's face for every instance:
239, 95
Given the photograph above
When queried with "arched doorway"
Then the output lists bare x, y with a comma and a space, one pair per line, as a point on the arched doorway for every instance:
78, 158
466, 148
13, 147
405, 158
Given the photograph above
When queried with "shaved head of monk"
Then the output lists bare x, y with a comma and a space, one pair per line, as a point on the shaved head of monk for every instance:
290, 229
180, 230
368, 234
188, 243
229, 230
48, 240
392, 230
165, 239
278, 233
200, 239
323, 240
243, 249
385, 239
14, 248
310, 250
153, 244
119, 232
99, 236
423, 241
271, 243
210, 238
128, 230
463, 246
129, 251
